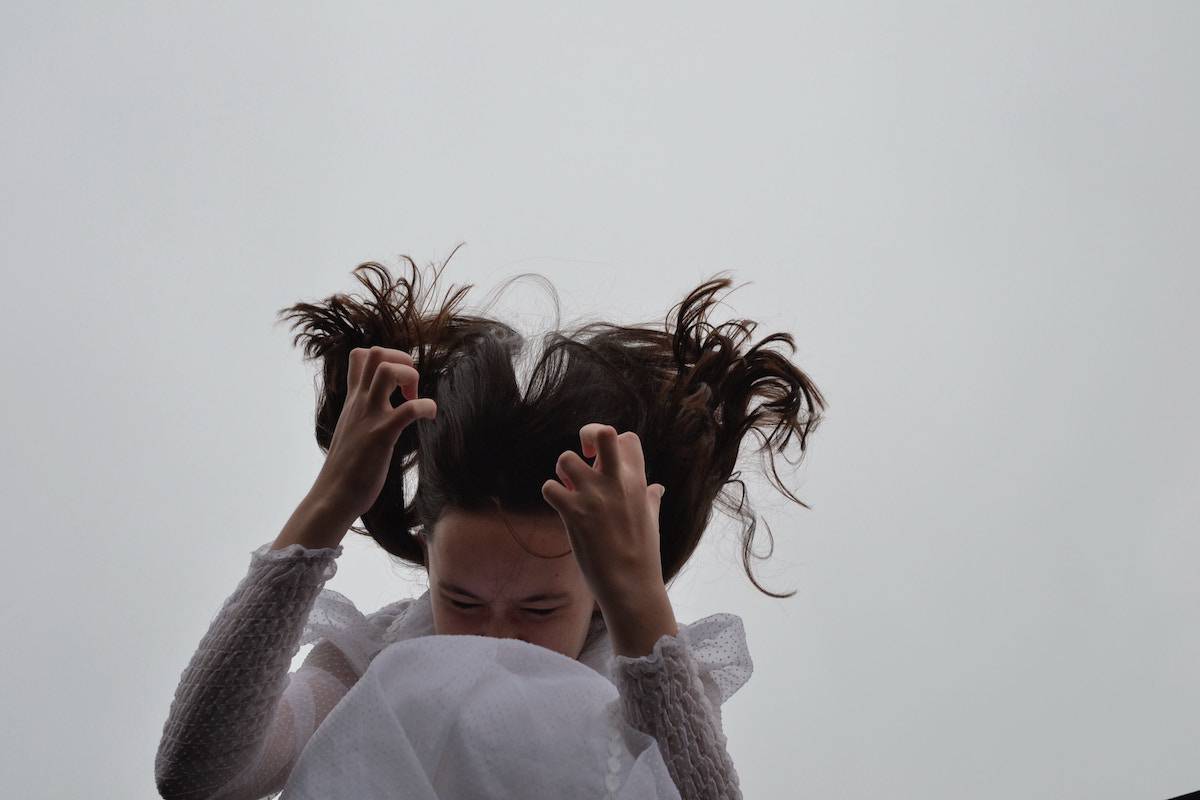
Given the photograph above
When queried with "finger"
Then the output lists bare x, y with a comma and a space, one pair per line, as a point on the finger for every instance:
555, 494
375, 356
354, 371
603, 439
388, 375
587, 437
631, 445
572, 470
404, 414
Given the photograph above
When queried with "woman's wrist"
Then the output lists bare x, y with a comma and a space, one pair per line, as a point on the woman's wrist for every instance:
315, 523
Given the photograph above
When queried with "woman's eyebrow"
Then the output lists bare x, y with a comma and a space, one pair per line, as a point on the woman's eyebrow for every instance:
533, 598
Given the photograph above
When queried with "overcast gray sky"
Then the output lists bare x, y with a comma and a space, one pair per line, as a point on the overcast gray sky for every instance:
979, 221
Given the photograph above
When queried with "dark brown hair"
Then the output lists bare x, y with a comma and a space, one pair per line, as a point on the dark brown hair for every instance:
685, 389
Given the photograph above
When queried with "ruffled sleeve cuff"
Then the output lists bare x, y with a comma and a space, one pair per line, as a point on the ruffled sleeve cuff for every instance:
359, 636
717, 646
674, 694
295, 550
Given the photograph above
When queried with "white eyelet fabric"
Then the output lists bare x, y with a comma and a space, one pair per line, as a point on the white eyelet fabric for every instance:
473, 718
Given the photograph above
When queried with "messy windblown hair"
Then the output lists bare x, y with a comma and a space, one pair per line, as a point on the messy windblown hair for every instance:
686, 390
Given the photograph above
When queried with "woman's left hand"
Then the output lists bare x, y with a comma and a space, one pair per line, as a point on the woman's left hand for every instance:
610, 514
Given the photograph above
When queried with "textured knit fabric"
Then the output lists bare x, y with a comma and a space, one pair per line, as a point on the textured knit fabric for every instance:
239, 720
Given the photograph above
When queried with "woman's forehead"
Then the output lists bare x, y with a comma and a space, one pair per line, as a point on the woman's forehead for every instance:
479, 553
496, 531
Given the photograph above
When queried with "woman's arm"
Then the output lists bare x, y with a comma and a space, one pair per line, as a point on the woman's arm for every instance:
238, 717
663, 695
313, 690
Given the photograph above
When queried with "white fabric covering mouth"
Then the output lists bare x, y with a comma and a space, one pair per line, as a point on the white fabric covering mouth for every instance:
466, 717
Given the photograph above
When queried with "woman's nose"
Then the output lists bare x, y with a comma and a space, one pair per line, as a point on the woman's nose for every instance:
502, 629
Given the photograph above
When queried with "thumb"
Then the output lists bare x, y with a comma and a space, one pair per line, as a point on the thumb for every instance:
409, 412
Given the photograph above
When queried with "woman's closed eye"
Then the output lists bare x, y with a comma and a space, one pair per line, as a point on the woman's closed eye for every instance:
541, 612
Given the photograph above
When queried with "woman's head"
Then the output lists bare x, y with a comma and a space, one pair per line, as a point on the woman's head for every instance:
511, 576
691, 391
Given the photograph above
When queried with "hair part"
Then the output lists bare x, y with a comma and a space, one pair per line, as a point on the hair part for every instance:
686, 388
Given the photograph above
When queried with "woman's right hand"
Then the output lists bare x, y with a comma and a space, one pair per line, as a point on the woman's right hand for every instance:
360, 454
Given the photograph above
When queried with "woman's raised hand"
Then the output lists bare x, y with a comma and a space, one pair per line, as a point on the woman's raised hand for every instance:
364, 438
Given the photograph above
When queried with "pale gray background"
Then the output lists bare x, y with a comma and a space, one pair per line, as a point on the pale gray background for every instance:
980, 223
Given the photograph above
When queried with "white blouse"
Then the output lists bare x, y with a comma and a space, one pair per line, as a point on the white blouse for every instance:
240, 720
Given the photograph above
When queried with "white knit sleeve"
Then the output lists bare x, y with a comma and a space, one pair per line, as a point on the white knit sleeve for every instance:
239, 719
312, 692
675, 694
